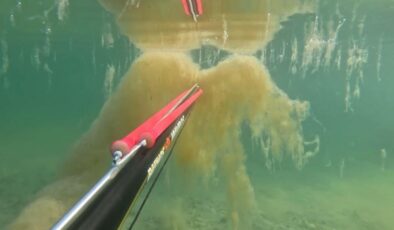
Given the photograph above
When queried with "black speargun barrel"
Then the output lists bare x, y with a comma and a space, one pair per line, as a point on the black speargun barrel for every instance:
136, 157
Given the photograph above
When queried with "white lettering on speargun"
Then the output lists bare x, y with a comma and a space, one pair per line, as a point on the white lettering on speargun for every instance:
173, 134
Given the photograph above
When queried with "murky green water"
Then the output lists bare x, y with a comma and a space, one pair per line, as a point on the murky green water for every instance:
56, 73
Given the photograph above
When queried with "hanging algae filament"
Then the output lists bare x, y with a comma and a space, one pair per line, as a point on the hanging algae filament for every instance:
238, 89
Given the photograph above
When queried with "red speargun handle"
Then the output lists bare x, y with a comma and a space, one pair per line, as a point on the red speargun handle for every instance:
153, 127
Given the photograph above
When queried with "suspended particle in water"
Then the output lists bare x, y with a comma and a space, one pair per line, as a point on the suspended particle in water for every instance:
210, 59
352, 60
311, 153
107, 39
263, 56
4, 64
332, 41
47, 28
62, 7
282, 54
132, 3
131, 52
12, 18
18, 6
338, 58
357, 58
303, 157
379, 59
135, 3
35, 58
361, 26
265, 144
356, 90
348, 97
49, 74
314, 47
267, 25
269, 164
108, 80
294, 56
225, 30
271, 55
200, 56
46, 47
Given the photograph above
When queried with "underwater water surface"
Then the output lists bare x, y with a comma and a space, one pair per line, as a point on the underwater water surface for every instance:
300, 124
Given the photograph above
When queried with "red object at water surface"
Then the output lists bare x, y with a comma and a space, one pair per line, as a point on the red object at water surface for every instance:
189, 4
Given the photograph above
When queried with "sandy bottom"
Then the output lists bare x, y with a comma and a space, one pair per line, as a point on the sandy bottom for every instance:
284, 200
